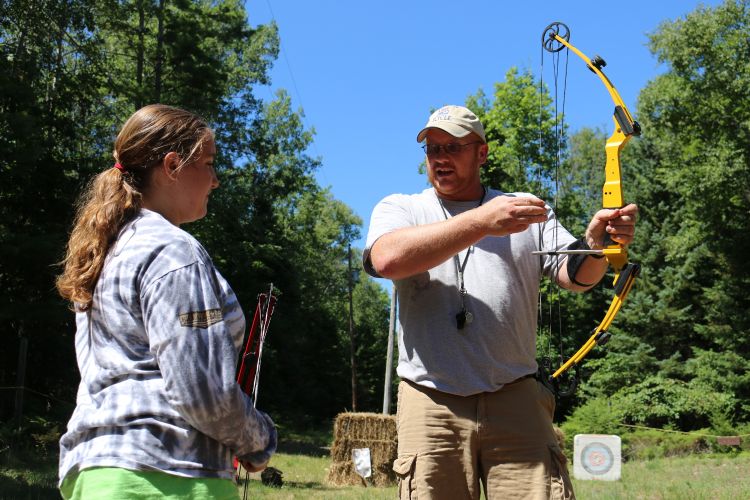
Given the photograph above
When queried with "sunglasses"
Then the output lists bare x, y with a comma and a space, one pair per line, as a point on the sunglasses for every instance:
451, 148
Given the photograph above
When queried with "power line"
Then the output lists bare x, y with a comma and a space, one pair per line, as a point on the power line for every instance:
294, 83
686, 433
32, 391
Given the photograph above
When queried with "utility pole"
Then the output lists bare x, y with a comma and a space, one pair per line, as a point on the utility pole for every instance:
23, 344
351, 335
389, 353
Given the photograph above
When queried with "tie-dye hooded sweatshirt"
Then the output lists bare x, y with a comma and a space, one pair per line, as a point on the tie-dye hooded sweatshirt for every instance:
157, 352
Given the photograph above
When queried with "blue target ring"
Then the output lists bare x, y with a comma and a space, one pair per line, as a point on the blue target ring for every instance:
597, 458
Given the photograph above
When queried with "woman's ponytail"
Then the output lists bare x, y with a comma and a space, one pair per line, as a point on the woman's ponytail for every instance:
107, 204
115, 196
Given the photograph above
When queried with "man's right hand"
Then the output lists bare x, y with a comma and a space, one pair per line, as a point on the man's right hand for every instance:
413, 250
505, 215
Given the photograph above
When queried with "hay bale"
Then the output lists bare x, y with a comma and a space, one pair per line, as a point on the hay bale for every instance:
363, 430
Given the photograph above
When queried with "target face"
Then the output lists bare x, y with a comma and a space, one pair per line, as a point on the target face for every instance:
597, 458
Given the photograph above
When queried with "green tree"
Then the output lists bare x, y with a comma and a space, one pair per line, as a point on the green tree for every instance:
371, 313
49, 79
312, 373
700, 155
690, 176
521, 133
70, 73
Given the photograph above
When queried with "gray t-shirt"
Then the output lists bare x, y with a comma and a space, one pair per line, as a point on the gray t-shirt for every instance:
502, 280
157, 352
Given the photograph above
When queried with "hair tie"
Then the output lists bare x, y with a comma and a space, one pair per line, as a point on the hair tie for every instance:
119, 167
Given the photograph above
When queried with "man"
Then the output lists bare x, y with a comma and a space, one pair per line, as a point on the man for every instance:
460, 256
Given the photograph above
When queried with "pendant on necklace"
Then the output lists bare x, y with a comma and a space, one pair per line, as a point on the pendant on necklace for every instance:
463, 318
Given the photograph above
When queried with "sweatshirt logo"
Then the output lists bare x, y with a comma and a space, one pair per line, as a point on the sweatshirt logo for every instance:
201, 319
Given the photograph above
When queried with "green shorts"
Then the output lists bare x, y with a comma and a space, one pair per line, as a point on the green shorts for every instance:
450, 446
115, 483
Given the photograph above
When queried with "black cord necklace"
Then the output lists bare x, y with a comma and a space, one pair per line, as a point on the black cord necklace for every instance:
463, 317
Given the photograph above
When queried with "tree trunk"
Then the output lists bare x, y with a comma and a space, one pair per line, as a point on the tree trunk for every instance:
159, 51
140, 56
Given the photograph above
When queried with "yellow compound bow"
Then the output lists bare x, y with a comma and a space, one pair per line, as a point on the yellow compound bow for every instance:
555, 38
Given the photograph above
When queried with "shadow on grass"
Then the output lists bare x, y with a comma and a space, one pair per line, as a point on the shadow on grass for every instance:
309, 440
288, 485
310, 449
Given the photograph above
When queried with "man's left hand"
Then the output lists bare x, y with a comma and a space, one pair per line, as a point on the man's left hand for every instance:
618, 223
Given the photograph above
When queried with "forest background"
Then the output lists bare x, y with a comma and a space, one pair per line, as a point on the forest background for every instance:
72, 71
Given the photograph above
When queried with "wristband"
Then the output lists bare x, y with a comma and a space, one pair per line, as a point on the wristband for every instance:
576, 260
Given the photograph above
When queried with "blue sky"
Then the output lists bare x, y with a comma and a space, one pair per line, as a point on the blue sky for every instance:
367, 74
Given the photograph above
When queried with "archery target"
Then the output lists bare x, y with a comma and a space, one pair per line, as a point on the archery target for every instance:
597, 456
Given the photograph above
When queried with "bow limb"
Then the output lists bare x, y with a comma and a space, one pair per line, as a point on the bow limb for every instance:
270, 304
248, 374
556, 37
623, 283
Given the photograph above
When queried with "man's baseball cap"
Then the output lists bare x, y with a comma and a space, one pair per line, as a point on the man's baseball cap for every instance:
458, 121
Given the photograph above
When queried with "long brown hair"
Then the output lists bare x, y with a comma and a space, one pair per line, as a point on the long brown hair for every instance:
114, 197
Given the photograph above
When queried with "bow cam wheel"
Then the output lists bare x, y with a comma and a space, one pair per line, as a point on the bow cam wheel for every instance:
549, 42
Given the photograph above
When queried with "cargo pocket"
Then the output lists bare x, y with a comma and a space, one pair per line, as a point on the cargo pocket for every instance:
560, 487
404, 466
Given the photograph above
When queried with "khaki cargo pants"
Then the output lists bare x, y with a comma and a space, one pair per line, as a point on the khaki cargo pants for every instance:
448, 444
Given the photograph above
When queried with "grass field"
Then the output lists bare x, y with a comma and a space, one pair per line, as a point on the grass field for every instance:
695, 477
685, 478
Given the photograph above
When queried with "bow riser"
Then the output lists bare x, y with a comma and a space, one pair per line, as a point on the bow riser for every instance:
623, 283
612, 196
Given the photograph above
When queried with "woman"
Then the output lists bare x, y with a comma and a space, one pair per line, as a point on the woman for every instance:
158, 329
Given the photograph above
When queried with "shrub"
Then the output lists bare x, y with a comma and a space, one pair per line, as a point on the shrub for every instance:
597, 416
665, 402
648, 444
